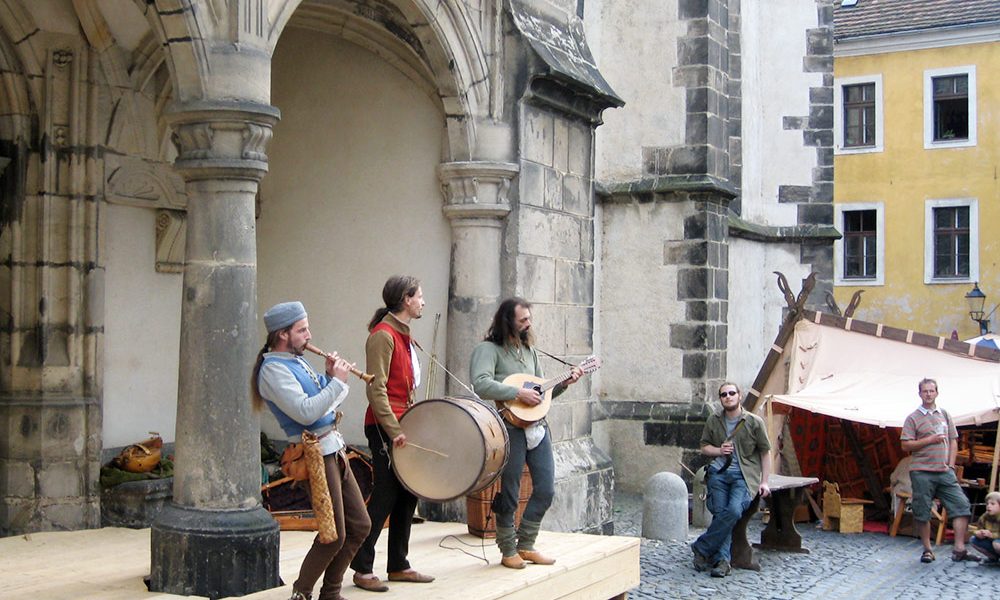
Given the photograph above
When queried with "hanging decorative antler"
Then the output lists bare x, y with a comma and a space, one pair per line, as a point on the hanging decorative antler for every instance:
785, 289
853, 305
795, 309
831, 303
807, 287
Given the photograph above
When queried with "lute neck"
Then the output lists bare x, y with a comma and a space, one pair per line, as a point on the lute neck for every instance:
548, 384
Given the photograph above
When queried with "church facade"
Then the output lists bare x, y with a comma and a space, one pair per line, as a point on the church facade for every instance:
171, 168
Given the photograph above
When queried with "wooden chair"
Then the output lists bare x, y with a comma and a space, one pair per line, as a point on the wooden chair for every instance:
846, 515
941, 515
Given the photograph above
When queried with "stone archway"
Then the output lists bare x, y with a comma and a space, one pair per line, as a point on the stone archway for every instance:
352, 195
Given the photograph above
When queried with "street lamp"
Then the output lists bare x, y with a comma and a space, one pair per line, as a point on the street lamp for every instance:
977, 301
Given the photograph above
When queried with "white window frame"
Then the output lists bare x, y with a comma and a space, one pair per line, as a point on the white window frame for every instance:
838, 245
838, 114
929, 75
929, 207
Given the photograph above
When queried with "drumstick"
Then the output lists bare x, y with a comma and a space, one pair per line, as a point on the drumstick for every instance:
366, 377
441, 454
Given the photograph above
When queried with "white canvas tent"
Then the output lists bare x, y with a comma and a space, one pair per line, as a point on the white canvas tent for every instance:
868, 373
869, 379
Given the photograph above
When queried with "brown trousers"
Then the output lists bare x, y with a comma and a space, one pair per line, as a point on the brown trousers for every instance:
330, 560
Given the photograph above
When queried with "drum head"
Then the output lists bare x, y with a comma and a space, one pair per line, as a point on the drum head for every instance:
443, 427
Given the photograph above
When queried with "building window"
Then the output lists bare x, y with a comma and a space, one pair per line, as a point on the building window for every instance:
950, 107
952, 239
859, 254
859, 115
857, 122
860, 236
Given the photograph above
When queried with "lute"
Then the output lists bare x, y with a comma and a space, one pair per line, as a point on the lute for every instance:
522, 415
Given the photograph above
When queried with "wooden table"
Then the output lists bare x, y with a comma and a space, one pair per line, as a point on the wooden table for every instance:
780, 533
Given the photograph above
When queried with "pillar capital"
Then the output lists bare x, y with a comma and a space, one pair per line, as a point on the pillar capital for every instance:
476, 189
222, 139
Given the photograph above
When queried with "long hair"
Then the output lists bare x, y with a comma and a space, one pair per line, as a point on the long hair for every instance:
272, 339
394, 294
503, 330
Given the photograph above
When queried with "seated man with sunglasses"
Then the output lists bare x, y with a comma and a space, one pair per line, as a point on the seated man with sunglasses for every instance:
737, 440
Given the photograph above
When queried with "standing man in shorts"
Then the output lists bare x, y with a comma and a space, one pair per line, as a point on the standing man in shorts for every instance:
930, 436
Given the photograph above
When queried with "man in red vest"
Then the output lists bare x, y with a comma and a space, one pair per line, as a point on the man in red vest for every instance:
391, 358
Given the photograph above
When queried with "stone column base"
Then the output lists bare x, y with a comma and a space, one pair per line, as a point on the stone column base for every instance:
136, 504
214, 553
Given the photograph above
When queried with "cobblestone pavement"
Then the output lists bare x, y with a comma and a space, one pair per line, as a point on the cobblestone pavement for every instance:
849, 566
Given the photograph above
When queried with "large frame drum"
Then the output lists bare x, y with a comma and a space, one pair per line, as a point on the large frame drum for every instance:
463, 447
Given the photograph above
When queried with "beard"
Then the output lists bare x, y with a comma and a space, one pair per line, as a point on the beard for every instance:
526, 337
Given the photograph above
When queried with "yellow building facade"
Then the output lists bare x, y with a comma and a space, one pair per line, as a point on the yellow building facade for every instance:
916, 176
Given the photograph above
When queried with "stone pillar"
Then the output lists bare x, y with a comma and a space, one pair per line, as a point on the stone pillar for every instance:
476, 203
215, 539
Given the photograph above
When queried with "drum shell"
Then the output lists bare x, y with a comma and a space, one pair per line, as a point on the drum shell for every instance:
465, 447
478, 507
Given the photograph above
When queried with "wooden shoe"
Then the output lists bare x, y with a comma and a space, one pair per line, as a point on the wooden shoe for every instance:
513, 562
534, 556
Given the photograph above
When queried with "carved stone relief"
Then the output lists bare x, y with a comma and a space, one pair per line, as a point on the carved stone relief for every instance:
135, 182
170, 240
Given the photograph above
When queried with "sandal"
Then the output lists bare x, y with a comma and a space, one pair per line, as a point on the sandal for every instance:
927, 556
960, 555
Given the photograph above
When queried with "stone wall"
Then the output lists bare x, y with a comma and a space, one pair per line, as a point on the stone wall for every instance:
51, 321
664, 259
785, 216
673, 302
550, 261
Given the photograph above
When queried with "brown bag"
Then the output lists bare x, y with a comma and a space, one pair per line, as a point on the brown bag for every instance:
142, 457
293, 462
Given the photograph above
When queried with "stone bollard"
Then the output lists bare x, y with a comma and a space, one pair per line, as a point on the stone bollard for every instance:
700, 516
664, 508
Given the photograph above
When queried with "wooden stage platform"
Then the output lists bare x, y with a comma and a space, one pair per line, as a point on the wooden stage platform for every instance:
110, 564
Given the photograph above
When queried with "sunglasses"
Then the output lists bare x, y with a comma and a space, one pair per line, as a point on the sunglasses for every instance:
729, 393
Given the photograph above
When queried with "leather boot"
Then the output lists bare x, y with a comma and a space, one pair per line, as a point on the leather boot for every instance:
527, 533
330, 591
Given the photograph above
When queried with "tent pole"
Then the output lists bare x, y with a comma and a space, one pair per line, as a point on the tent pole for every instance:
770, 431
996, 458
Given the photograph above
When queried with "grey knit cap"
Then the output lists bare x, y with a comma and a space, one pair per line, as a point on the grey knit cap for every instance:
284, 314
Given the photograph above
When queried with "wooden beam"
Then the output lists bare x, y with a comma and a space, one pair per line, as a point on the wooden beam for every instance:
906, 336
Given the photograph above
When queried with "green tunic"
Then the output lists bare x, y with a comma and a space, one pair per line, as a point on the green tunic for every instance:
491, 364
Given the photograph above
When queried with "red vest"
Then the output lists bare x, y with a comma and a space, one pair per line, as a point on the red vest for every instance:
399, 386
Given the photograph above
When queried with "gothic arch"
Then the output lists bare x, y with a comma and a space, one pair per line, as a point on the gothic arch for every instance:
18, 60
442, 35
434, 43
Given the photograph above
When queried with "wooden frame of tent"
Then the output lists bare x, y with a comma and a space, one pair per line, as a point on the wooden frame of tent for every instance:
762, 387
